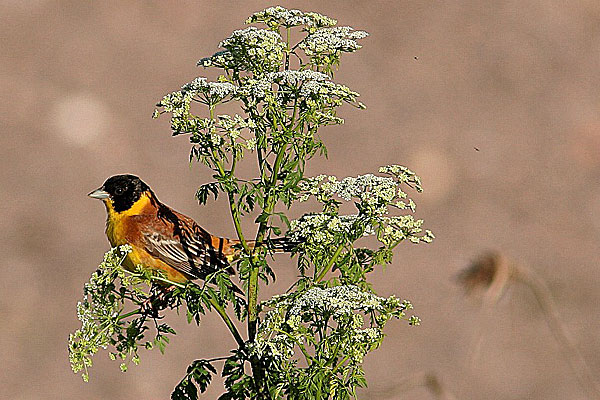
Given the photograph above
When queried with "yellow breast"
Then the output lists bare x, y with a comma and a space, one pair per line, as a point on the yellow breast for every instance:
118, 232
116, 228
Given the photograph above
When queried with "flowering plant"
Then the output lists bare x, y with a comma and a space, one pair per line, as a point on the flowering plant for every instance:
309, 342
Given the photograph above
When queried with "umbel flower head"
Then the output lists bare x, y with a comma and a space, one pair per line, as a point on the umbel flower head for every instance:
374, 196
209, 93
255, 50
333, 40
274, 17
295, 319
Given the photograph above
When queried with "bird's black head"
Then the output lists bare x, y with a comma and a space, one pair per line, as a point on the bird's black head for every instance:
122, 191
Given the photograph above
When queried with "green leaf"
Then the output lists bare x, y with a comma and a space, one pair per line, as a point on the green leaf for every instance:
203, 192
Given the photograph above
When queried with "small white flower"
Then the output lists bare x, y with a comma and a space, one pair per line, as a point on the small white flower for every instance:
213, 92
333, 39
275, 16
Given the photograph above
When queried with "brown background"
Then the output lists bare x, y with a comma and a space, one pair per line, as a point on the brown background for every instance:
517, 80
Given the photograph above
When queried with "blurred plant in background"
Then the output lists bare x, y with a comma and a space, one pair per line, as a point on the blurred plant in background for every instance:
493, 273
310, 341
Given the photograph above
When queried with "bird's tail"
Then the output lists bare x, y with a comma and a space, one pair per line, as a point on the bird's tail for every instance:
283, 244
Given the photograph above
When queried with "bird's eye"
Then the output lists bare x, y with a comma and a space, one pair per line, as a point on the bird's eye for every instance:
119, 191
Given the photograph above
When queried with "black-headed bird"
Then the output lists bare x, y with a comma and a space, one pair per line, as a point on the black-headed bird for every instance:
160, 237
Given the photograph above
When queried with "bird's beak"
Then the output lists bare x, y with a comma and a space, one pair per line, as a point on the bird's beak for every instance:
99, 194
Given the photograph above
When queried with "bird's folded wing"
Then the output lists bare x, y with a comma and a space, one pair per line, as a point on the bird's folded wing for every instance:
189, 255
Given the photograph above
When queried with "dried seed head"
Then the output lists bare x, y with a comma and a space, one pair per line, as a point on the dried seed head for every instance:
490, 271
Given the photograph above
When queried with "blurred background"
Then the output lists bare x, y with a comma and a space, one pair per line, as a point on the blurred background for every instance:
494, 103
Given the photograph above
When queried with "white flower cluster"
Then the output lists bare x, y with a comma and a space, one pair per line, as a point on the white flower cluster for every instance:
231, 128
373, 196
328, 118
337, 301
374, 193
212, 92
251, 49
314, 87
201, 90
329, 92
256, 50
110, 266
224, 132
322, 229
252, 37
332, 40
255, 90
403, 175
395, 229
294, 320
98, 318
310, 83
293, 84
278, 346
293, 78
178, 104
281, 16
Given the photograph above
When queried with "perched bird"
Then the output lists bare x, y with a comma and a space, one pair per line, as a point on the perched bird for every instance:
160, 237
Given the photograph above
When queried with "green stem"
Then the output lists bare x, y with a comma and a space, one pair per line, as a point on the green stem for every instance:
324, 271
238, 338
235, 212
340, 364
307, 356
294, 115
287, 49
129, 314
260, 236
164, 280
252, 302
269, 205
213, 301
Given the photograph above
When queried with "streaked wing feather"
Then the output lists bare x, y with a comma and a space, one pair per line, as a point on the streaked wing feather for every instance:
190, 256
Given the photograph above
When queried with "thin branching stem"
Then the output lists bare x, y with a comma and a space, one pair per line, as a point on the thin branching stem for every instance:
221, 311
570, 351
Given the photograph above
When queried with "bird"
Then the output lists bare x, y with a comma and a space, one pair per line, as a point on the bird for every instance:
162, 238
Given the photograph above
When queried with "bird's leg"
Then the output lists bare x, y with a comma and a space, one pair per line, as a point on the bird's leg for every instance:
163, 297
159, 300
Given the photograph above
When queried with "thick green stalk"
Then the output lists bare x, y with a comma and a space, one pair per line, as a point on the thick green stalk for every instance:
333, 371
270, 202
260, 236
324, 271
252, 302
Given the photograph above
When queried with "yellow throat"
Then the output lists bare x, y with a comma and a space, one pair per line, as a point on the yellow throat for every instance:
115, 231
